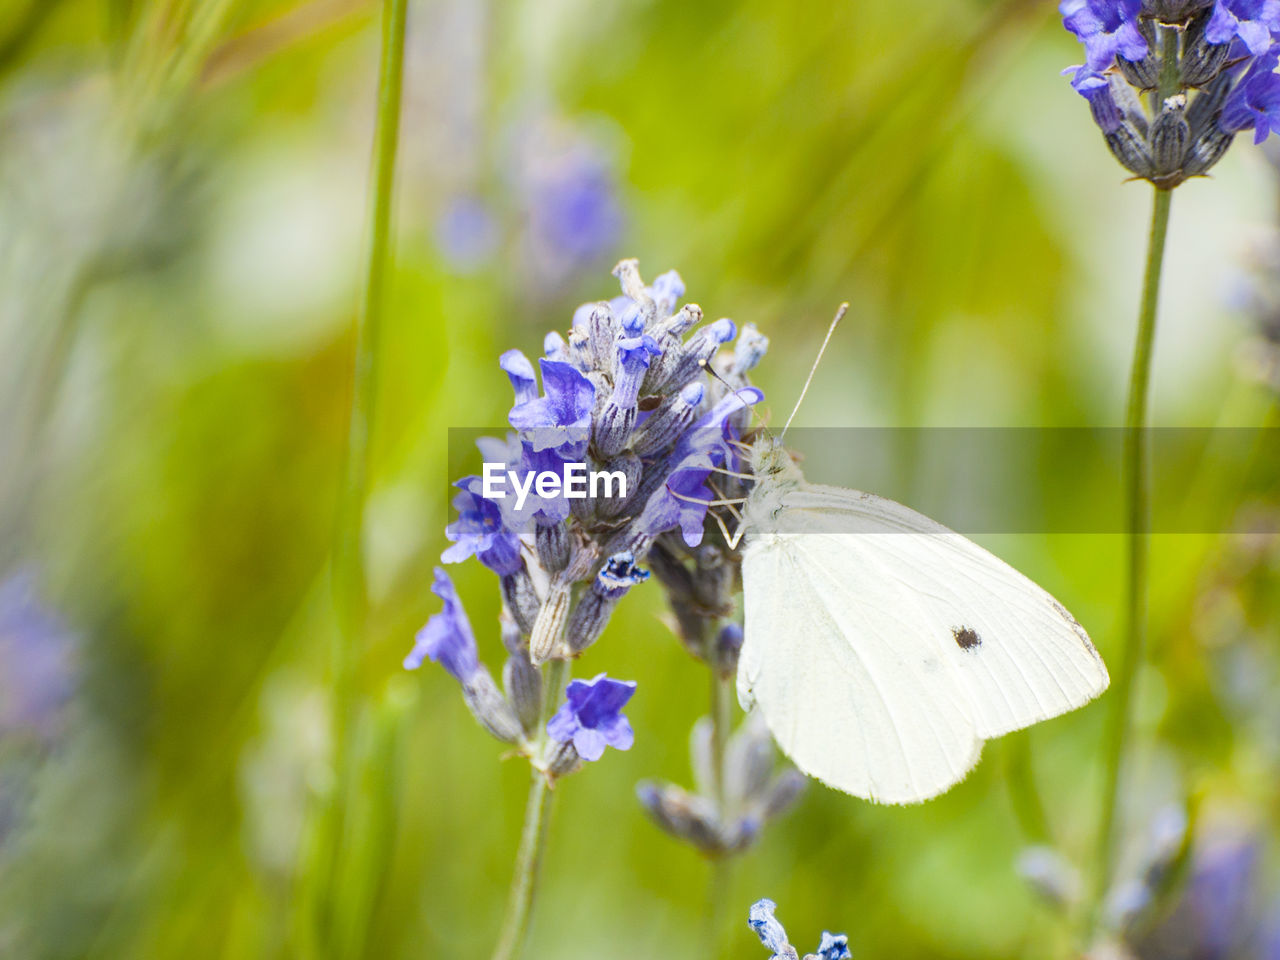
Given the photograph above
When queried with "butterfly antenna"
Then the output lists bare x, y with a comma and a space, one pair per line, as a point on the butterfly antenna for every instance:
844, 308
706, 365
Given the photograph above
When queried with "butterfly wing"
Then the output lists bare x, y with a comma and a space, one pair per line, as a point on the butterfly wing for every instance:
848, 698
947, 633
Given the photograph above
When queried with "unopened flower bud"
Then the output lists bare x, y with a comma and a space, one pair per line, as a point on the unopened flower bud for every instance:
665, 425
1201, 61
728, 646
679, 323
628, 274
489, 707
546, 636
1170, 135
632, 469
521, 598
523, 684
552, 541
563, 759
784, 791
750, 349
681, 814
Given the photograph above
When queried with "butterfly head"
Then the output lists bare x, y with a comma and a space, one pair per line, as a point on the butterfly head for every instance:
771, 462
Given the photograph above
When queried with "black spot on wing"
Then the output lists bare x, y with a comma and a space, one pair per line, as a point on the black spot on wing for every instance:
966, 638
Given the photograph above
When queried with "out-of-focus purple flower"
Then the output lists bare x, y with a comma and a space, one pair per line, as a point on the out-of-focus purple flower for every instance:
1107, 28
1252, 21
37, 660
1221, 914
575, 215
447, 638
591, 717
561, 418
480, 530
1254, 103
467, 233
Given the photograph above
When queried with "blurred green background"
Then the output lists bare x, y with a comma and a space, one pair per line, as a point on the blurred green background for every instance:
182, 194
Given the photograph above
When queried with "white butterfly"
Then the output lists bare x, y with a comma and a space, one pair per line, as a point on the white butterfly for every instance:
883, 655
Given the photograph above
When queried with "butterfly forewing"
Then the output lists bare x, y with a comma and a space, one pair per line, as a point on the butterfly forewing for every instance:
881, 658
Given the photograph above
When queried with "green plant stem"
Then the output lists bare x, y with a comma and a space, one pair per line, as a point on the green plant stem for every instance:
1137, 510
350, 594
1137, 496
533, 838
721, 871
348, 572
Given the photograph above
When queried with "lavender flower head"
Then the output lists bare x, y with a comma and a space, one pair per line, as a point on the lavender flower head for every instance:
566, 189
1221, 81
37, 669
626, 394
591, 717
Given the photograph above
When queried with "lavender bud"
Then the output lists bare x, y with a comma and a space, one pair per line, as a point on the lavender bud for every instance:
580, 349
784, 791
696, 351
1201, 61
555, 348
523, 684
597, 322
679, 323
728, 646
628, 274
552, 540
563, 759
1169, 137
713, 584
682, 815
1128, 145
489, 707
521, 598
1145, 73
589, 618
631, 467
546, 637
750, 349
665, 425
770, 931
749, 760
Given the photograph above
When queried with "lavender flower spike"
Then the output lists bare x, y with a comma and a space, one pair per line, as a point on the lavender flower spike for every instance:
591, 717
447, 638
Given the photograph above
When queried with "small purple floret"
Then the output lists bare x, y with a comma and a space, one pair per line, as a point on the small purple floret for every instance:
447, 638
591, 717
1254, 103
1252, 21
1107, 28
